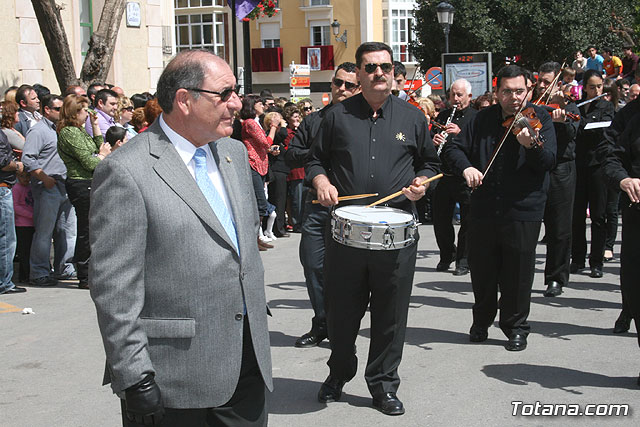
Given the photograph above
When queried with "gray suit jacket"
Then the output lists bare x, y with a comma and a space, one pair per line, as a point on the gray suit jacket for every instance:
167, 284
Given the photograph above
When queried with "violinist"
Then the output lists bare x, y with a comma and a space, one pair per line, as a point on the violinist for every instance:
452, 189
622, 169
562, 180
591, 190
507, 204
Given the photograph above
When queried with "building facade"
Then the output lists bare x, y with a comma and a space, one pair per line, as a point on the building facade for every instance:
301, 31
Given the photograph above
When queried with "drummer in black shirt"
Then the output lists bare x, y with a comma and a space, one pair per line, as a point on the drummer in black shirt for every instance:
452, 189
370, 143
506, 207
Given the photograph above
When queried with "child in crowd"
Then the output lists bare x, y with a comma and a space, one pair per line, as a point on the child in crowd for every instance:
23, 208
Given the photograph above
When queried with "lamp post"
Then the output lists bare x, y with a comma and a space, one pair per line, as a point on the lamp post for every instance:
335, 27
445, 13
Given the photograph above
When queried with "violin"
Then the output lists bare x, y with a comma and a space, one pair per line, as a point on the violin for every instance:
527, 118
551, 107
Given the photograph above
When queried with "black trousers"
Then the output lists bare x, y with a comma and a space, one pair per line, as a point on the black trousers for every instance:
315, 221
451, 189
24, 236
611, 218
591, 191
278, 198
558, 214
629, 265
354, 279
246, 408
79, 192
502, 256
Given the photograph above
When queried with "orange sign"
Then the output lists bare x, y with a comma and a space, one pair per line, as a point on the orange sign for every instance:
300, 81
325, 99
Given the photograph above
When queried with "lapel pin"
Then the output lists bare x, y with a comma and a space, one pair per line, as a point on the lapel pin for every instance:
400, 136
228, 159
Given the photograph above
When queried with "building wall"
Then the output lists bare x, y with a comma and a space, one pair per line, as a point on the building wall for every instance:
138, 57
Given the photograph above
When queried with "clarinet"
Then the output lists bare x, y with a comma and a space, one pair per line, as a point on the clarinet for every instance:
444, 133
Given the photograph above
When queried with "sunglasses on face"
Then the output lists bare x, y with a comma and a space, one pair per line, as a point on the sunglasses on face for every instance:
224, 95
128, 108
307, 109
56, 108
348, 85
371, 68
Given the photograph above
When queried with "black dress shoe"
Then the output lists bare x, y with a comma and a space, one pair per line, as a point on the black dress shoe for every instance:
575, 268
388, 404
310, 339
331, 390
461, 271
517, 342
553, 289
623, 324
14, 290
443, 266
596, 273
478, 334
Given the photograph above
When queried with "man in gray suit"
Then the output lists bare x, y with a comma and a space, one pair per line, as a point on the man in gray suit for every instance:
175, 273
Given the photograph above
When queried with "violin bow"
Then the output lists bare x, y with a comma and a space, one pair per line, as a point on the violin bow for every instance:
548, 90
506, 134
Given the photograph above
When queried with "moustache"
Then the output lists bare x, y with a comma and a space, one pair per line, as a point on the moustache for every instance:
379, 79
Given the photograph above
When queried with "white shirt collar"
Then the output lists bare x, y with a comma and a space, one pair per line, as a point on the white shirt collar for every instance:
185, 149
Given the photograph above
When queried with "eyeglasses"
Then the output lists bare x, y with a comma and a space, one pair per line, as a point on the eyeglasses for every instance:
517, 92
130, 108
371, 68
56, 108
224, 95
305, 109
348, 85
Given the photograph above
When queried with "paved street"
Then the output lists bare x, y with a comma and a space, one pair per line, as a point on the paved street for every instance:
53, 359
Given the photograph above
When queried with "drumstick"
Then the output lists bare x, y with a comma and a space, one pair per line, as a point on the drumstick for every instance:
398, 193
353, 197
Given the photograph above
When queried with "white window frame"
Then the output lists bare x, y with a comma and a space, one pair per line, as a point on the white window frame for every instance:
325, 35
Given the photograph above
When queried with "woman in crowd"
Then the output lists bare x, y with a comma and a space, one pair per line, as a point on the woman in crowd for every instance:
278, 182
295, 178
9, 118
124, 114
258, 145
591, 190
138, 120
81, 154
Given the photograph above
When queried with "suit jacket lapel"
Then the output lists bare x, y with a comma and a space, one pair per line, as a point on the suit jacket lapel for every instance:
230, 181
175, 174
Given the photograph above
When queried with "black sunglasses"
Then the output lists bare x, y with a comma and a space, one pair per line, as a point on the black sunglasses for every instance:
128, 108
56, 108
371, 68
224, 95
307, 108
348, 85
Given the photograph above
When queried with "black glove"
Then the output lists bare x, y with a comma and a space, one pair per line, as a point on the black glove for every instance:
144, 402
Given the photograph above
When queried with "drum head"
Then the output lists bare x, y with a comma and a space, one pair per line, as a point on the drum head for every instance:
373, 215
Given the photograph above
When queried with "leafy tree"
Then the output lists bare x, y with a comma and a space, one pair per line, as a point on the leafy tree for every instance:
536, 31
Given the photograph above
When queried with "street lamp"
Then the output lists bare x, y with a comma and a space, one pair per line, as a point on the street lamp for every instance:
335, 27
445, 17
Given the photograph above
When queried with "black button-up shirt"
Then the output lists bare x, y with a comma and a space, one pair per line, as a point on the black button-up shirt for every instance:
623, 157
515, 188
363, 154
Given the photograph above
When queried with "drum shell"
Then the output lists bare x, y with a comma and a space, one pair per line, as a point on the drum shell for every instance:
371, 235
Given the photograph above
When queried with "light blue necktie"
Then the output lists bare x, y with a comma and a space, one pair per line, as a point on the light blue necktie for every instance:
213, 197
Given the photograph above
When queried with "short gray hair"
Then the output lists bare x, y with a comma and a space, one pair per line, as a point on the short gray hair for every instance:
465, 82
186, 70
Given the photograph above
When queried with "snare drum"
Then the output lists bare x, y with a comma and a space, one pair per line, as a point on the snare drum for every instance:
378, 228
